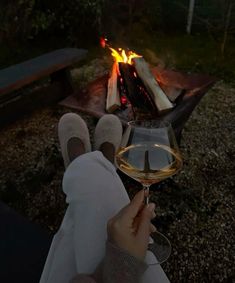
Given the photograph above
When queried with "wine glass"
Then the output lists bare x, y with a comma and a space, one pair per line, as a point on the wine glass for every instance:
149, 154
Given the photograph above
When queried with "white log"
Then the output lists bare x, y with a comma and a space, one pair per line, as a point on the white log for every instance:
161, 100
113, 98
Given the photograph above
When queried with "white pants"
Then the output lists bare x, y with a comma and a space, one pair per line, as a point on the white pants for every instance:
94, 193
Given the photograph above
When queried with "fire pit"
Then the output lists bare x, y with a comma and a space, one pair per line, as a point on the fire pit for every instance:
133, 90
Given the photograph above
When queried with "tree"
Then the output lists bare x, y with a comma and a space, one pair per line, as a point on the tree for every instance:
190, 16
227, 25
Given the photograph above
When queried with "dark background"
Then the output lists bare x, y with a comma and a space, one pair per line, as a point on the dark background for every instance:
195, 209
32, 27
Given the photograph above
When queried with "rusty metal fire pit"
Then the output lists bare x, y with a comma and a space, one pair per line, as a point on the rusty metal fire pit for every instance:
193, 87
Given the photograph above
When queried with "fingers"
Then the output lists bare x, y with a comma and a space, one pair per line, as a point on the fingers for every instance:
131, 215
137, 220
145, 222
153, 215
135, 205
152, 228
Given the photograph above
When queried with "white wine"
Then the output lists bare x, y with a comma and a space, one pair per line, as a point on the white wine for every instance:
148, 163
149, 154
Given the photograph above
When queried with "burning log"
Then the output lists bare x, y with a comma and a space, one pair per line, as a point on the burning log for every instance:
161, 101
113, 98
122, 91
135, 90
135, 83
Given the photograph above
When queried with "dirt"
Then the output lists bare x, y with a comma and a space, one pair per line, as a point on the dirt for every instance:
195, 209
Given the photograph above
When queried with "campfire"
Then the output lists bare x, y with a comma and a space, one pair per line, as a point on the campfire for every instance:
136, 90
131, 82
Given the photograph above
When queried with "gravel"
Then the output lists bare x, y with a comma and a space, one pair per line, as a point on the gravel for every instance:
195, 209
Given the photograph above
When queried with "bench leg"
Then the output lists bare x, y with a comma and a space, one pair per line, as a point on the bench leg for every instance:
64, 78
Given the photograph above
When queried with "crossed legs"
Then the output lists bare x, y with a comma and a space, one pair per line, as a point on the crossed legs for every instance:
94, 193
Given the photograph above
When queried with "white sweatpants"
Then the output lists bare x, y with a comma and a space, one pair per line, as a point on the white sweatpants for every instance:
94, 193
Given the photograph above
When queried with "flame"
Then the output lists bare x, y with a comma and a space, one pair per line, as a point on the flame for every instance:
120, 55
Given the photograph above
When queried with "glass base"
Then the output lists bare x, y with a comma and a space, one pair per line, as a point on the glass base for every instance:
160, 247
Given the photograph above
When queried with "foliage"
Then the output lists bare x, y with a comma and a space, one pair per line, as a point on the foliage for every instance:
78, 19
31, 27
14, 19
23, 19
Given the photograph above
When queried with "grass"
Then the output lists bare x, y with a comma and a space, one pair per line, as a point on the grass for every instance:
198, 53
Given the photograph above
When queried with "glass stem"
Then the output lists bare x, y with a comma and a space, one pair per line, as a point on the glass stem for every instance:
146, 193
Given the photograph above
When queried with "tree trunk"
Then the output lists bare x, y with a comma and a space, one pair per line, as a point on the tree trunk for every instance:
190, 16
226, 27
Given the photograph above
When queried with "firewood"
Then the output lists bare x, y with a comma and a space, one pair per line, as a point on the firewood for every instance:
113, 99
122, 92
136, 92
162, 102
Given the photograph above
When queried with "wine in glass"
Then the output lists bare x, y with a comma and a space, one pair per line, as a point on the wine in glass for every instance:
149, 154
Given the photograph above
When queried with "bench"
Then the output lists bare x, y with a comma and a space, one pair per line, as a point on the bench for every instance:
54, 65
24, 245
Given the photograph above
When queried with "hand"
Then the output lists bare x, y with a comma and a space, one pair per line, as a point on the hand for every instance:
131, 227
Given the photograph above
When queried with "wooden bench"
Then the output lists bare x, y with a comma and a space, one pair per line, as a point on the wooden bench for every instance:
24, 245
54, 65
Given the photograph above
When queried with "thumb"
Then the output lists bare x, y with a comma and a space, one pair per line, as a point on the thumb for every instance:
145, 221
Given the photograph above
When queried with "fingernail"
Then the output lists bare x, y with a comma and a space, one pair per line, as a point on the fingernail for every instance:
154, 229
151, 207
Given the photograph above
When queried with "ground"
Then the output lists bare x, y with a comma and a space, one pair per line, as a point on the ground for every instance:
195, 209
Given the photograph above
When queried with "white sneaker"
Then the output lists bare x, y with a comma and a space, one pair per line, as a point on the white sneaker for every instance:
71, 125
108, 129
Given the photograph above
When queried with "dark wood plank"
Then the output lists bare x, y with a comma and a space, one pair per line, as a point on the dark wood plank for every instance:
64, 78
19, 75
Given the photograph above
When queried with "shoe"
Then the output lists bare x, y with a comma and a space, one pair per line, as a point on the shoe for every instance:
108, 129
70, 126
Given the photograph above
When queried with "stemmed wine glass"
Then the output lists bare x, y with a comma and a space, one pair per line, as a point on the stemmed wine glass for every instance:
149, 154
